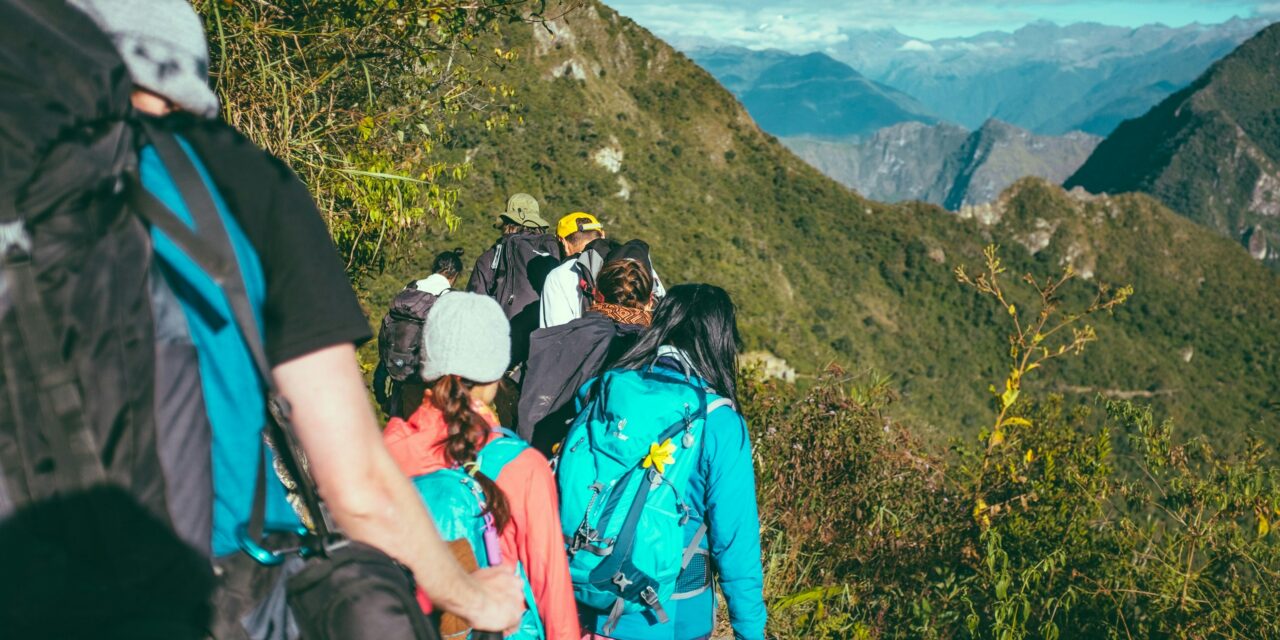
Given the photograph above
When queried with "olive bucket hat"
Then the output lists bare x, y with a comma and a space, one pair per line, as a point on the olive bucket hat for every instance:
522, 209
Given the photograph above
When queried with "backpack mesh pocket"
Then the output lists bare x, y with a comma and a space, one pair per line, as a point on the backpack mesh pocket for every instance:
695, 578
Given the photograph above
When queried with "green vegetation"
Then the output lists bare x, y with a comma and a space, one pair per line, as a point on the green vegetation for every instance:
825, 276
1051, 523
358, 96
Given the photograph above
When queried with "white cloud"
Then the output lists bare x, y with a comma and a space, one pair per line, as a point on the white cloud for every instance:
787, 32
915, 45
809, 25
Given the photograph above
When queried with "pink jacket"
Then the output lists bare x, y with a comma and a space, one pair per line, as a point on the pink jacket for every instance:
533, 535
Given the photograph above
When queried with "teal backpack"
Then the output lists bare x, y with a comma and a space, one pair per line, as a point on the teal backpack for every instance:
456, 503
623, 472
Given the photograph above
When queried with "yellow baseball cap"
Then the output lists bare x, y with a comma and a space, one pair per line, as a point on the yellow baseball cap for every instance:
575, 222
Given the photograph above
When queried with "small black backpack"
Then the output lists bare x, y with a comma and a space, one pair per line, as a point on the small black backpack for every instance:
400, 337
521, 264
589, 263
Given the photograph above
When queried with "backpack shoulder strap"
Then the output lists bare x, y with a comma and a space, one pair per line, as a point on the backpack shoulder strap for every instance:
499, 452
719, 403
211, 248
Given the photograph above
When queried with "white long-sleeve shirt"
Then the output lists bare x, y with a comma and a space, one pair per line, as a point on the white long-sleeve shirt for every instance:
561, 298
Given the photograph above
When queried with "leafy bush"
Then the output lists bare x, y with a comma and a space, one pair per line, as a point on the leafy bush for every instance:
358, 96
1055, 522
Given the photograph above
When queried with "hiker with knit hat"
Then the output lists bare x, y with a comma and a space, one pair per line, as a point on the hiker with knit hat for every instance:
455, 434
310, 324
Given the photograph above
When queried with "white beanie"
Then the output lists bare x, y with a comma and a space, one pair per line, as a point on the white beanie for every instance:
162, 43
466, 335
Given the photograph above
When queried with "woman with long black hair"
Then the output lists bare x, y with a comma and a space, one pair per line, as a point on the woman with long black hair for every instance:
662, 431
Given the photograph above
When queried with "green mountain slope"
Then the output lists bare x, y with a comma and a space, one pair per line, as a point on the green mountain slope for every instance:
1210, 151
616, 122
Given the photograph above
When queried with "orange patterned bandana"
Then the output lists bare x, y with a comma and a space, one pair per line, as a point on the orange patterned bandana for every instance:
623, 315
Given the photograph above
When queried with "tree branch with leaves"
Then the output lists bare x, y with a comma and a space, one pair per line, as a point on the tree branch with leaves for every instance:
1050, 332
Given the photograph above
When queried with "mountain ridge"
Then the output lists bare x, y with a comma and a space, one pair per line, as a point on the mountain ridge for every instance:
1043, 77
812, 94
944, 164
1210, 151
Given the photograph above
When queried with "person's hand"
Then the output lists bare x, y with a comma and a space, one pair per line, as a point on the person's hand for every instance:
501, 599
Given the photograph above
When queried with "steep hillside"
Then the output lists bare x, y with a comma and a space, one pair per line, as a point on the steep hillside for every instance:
944, 164
998, 153
907, 161
813, 94
1210, 151
616, 122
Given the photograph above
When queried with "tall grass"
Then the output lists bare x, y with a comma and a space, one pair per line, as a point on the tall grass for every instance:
358, 96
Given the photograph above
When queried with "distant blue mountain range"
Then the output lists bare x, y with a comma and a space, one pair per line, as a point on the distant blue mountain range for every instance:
1046, 78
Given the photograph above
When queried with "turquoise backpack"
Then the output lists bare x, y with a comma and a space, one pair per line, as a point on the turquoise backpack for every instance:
623, 472
456, 503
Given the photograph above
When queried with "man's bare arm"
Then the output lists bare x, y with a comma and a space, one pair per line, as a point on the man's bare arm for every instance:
371, 499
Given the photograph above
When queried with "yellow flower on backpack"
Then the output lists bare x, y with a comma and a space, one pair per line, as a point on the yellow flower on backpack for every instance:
660, 456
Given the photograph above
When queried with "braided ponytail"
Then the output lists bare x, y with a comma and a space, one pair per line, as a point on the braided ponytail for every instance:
468, 432
626, 283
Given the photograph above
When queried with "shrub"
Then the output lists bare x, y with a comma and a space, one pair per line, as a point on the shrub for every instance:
1056, 521
359, 97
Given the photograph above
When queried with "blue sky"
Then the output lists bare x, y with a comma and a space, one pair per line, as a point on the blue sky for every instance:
803, 25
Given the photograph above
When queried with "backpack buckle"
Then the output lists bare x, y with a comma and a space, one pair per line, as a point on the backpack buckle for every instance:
650, 598
581, 538
13, 235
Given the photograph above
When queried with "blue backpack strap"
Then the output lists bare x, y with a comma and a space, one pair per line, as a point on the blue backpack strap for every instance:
500, 451
492, 458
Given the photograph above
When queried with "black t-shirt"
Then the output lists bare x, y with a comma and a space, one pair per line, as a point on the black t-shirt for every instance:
309, 302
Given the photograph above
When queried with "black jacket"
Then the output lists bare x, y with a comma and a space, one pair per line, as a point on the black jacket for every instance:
562, 359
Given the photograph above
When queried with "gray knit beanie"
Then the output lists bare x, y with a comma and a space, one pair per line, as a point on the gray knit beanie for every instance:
466, 335
162, 42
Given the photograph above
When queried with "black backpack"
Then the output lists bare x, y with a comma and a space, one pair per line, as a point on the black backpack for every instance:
400, 337
588, 266
91, 491
561, 359
521, 264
